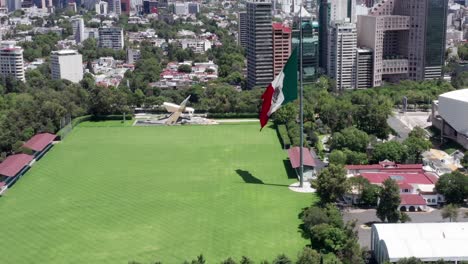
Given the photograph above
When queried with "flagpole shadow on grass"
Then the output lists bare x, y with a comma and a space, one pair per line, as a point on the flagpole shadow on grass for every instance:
247, 177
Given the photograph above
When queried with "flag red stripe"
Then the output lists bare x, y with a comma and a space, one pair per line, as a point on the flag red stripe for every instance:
266, 105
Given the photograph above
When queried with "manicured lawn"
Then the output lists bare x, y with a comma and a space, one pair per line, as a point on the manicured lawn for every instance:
113, 194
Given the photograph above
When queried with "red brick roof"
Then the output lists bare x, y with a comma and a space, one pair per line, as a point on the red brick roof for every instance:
405, 185
294, 157
404, 177
412, 199
385, 166
40, 141
14, 164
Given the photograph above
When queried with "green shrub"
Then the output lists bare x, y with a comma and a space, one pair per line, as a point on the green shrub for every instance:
283, 133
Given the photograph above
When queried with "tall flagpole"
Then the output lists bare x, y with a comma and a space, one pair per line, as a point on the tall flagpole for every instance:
301, 100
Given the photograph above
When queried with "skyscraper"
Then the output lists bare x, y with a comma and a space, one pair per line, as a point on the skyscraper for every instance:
11, 61
310, 55
259, 43
407, 37
342, 54
242, 29
125, 6
78, 29
281, 46
331, 11
13, 5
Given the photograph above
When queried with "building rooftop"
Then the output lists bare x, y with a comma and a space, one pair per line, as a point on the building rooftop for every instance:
402, 177
65, 52
426, 241
294, 157
40, 141
459, 95
14, 164
412, 199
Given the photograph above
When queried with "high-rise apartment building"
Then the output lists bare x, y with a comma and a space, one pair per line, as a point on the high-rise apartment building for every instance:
111, 37
407, 38
78, 29
332, 11
67, 64
310, 55
11, 61
243, 29
363, 68
101, 8
259, 43
125, 6
281, 46
341, 63
193, 8
13, 5
150, 6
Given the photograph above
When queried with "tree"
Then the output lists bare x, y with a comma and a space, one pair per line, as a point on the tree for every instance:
370, 195
246, 260
416, 144
282, 259
229, 261
450, 211
200, 260
454, 186
184, 68
331, 183
387, 209
465, 160
354, 157
308, 256
404, 217
327, 238
350, 138
337, 157
411, 260
391, 150
314, 215
286, 114
358, 184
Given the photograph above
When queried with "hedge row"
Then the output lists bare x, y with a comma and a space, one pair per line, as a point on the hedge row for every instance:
283, 133
232, 115
76, 121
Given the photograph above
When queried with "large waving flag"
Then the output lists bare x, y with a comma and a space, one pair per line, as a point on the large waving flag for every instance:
282, 90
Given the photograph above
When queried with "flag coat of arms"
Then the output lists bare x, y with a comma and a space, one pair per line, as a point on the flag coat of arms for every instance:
282, 90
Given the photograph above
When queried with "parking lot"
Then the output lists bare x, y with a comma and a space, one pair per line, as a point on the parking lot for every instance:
367, 216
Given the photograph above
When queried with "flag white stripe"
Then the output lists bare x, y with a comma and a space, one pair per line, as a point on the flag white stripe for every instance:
278, 86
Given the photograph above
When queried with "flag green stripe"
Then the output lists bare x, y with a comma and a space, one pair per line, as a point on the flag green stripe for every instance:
290, 78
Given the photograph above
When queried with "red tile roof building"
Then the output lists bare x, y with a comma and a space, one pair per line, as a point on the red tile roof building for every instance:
294, 157
14, 164
417, 187
40, 141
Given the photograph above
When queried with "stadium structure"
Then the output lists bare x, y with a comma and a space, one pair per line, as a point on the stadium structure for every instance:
449, 115
429, 242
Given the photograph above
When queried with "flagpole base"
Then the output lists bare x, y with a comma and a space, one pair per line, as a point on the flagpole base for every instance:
306, 188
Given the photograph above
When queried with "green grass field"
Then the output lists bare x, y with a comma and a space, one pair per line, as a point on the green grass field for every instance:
114, 194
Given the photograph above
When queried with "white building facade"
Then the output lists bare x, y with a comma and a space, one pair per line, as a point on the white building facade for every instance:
67, 64
11, 61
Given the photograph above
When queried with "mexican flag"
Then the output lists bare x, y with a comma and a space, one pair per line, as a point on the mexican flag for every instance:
282, 90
